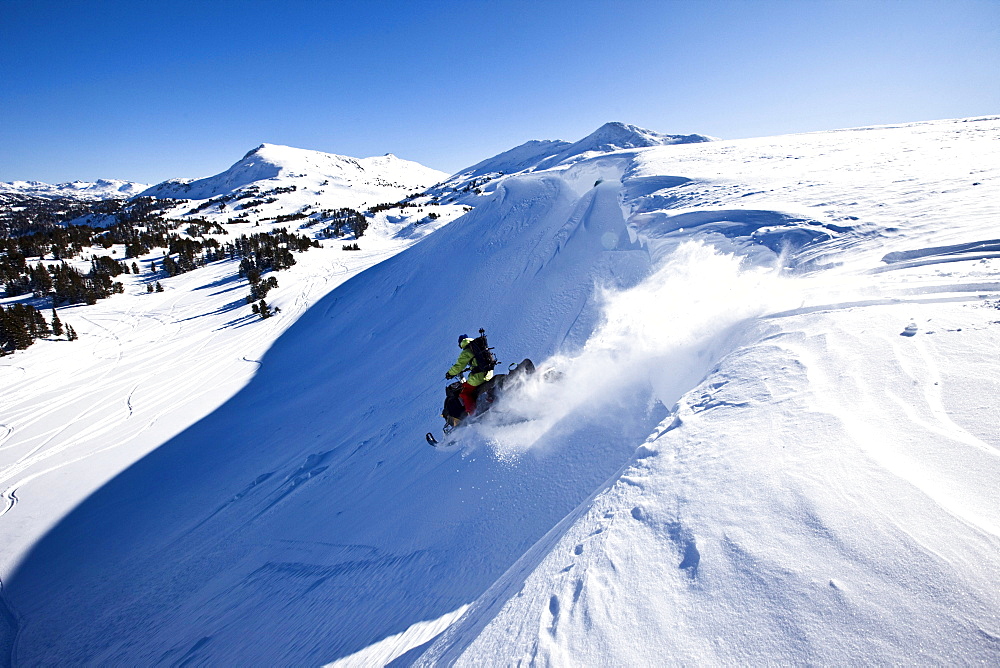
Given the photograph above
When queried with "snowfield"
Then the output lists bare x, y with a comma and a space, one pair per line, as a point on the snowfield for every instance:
774, 440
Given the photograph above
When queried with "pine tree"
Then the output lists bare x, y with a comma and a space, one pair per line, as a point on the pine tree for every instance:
71, 333
159, 288
265, 310
13, 330
135, 268
149, 287
41, 328
57, 327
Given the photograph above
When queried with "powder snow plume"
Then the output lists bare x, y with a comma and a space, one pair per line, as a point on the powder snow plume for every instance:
654, 342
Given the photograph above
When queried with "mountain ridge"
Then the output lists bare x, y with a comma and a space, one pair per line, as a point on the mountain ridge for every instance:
82, 190
538, 155
272, 161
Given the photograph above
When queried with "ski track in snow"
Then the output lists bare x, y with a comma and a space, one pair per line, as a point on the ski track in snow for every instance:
772, 442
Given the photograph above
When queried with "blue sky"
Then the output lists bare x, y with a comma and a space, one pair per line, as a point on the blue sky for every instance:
146, 91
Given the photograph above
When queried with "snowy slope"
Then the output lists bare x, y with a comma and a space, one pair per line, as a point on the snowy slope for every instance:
743, 463
83, 190
521, 158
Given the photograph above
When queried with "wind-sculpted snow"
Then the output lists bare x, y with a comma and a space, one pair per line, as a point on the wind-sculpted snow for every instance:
974, 250
769, 439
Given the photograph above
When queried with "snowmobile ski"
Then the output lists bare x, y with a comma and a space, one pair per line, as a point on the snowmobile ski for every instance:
448, 438
443, 443
450, 435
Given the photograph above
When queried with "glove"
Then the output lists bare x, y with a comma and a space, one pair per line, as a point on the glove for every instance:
449, 376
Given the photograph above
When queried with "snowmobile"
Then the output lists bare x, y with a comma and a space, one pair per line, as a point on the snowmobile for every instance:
454, 413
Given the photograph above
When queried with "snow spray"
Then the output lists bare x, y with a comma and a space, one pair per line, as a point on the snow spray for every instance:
654, 342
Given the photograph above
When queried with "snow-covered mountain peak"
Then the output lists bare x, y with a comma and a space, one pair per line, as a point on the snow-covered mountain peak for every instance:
537, 155
616, 136
283, 166
390, 164
278, 158
624, 135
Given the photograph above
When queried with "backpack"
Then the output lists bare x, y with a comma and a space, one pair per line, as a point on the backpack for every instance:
483, 358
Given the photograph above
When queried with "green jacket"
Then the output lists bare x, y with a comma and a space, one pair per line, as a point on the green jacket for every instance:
465, 357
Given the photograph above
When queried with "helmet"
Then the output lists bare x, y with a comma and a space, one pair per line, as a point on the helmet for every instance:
462, 337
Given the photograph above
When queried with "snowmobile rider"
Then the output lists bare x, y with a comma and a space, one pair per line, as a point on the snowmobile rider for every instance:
477, 376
